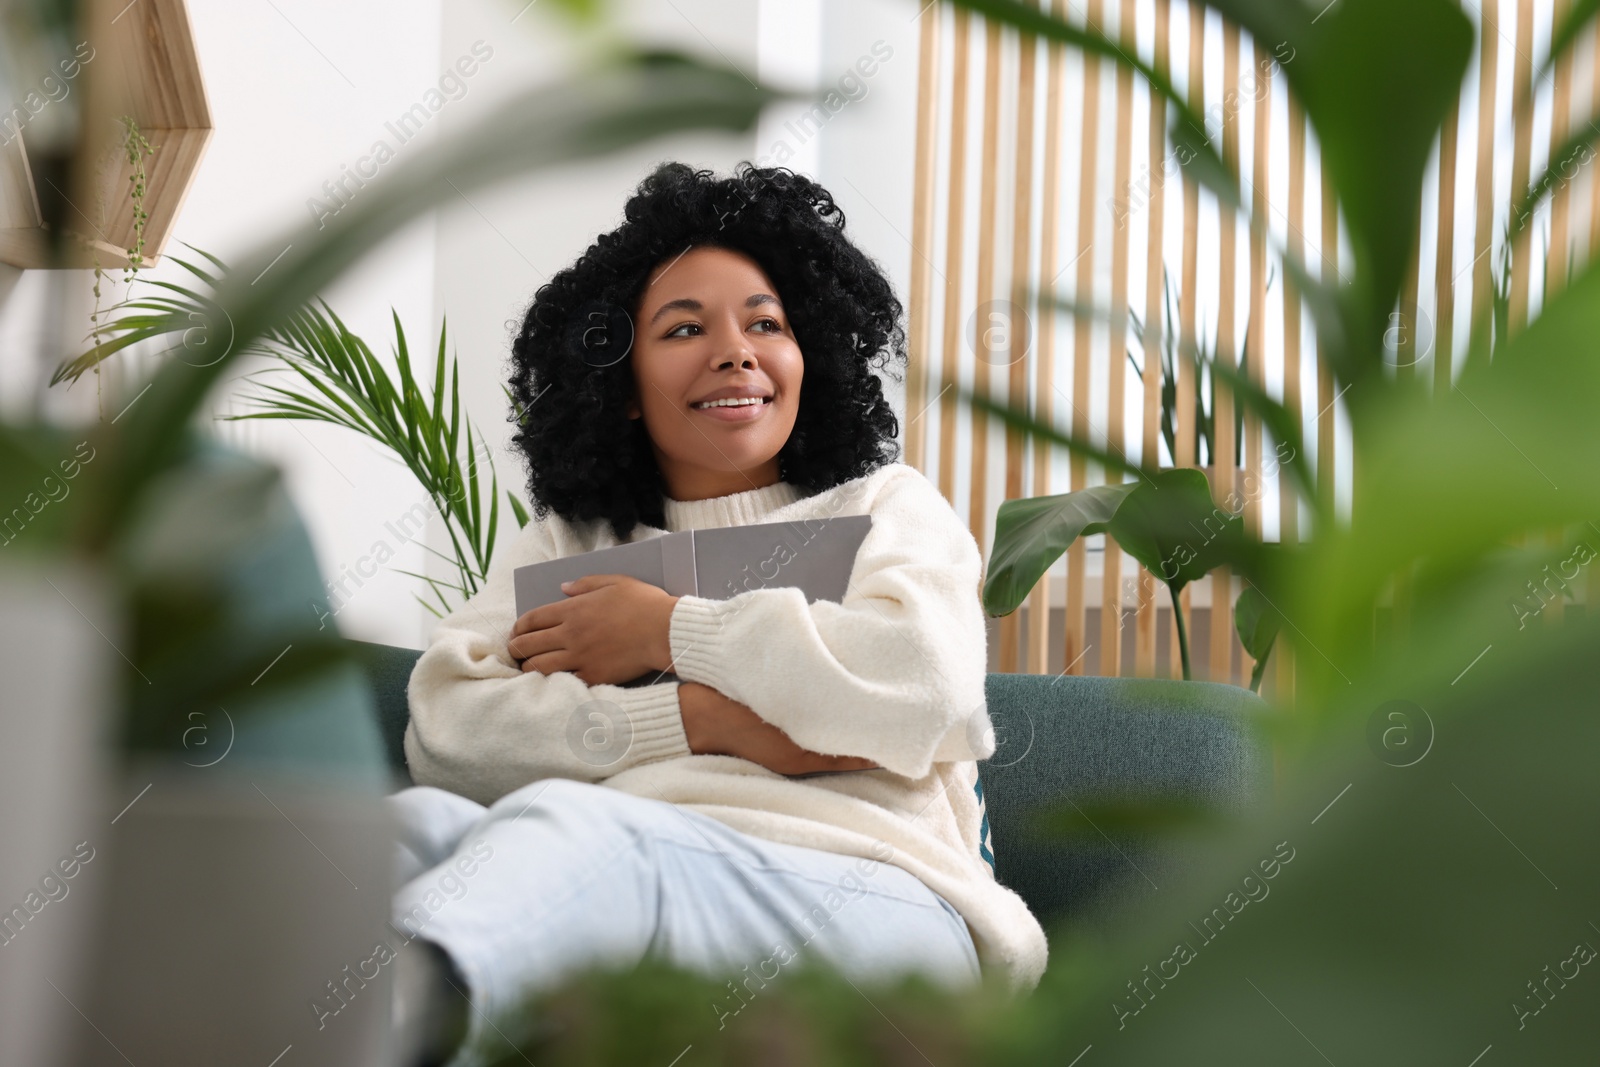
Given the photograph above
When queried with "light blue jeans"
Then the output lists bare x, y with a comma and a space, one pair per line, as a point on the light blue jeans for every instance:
560, 874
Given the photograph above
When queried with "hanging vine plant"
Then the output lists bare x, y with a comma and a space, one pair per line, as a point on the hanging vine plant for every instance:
135, 147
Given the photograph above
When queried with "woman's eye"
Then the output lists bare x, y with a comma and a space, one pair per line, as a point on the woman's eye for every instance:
774, 326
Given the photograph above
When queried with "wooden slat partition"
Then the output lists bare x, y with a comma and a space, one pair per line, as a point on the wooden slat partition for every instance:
1256, 328
1044, 388
1017, 319
1144, 664
1444, 275
1555, 277
1188, 390
1326, 396
1483, 186
1522, 150
1226, 354
1225, 309
954, 231
919, 312
1075, 647
1116, 354
1555, 264
1593, 249
984, 334
1283, 676
1255, 324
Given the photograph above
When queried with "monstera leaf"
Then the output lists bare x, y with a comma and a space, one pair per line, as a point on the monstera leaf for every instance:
1167, 521
1174, 528
1258, 623
1030, 535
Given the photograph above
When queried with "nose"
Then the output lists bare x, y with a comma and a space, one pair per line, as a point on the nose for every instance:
736, 350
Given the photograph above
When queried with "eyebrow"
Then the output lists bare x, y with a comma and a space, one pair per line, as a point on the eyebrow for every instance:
689, 303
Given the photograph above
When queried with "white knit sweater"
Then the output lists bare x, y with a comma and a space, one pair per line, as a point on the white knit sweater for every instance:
894, 674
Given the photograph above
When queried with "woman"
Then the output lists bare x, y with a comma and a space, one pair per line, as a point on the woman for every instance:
804, 787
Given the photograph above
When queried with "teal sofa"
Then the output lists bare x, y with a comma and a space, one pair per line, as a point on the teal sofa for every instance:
1063, 742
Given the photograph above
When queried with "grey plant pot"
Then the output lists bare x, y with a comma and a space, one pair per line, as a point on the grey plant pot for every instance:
246, 908
57, 654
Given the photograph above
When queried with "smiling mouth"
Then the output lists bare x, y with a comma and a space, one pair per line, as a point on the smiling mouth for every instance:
742, 402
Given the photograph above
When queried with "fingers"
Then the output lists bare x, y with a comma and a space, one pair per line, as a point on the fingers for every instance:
800, 760
590, 582
804, 761
542, 650
563, 613
574, 586
540, 618
802, 768
548, 638
548, 662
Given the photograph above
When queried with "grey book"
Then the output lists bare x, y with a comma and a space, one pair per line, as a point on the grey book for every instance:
814, 555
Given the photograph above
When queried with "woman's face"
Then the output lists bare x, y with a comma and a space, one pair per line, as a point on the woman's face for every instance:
710, 325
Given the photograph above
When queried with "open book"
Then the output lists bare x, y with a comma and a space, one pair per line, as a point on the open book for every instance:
815, 555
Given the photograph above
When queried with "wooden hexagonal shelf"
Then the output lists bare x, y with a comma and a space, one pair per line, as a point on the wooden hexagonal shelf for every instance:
137, 60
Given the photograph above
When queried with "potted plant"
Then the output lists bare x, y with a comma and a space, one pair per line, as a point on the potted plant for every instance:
1167, 521
342, 383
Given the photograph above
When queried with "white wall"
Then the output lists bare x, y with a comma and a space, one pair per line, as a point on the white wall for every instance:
868, 148
295, 90
302, 90
296, 98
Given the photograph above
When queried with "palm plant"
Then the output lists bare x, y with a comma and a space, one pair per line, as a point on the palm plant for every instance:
1495, 331
1171, 349
347, 386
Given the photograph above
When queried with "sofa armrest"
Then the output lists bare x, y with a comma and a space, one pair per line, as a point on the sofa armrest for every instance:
389, 672
1064, 740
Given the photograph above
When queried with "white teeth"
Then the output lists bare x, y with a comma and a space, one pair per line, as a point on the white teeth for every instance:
744, 401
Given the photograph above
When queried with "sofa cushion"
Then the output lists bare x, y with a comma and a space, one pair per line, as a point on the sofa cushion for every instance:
1064, 741
389, 672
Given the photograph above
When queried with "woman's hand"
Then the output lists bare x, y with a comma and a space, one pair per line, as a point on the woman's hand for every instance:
610, 629
718, 725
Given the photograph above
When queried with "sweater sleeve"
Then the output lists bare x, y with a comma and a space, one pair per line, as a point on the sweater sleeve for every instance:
894, 673
481, 727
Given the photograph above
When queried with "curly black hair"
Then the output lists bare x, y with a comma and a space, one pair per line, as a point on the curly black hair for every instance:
586, 459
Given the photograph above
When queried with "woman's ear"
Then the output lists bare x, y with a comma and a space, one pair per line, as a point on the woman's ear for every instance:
632, 408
